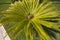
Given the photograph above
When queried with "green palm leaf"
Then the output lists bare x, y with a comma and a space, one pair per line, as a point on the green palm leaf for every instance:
31, 20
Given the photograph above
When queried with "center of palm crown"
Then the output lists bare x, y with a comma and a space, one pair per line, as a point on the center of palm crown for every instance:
30, 16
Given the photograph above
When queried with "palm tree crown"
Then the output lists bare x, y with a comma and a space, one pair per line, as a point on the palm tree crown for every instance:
31, 20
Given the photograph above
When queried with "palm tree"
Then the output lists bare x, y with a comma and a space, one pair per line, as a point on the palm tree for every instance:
31, 20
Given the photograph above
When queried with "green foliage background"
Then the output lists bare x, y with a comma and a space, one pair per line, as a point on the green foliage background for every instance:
4, 4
